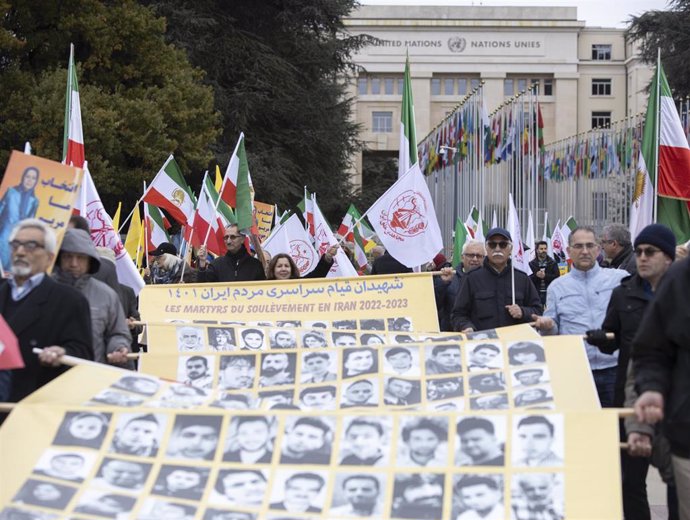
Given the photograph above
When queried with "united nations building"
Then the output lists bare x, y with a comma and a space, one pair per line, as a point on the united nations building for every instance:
584, 77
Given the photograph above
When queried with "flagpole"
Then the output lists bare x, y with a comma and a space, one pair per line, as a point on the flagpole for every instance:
132, 212
146, 239
656, 135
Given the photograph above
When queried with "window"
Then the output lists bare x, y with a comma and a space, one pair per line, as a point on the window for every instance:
601, 51
601, 119
508, 87
548, 87
521, 84
375, 85
388, 84
534, 85
599, 205
401, 85
601, 87
474, 83
462, 86
435, 87
362, 86
448, 87
382, 122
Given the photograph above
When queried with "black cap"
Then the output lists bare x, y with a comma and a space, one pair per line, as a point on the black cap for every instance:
164, 247
499, 231
660, 236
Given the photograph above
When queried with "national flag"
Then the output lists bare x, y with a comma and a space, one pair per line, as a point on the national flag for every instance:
73, 136
529, 240
103, 234
155, 227
361, 245
472, 220
566, 229
518, 256
116, 217
407, 155
324, 239
404, 218
479, 232
207, 227
354, 229
291, 238
134, 239
10, 355
459, 238
237, 190
540, 129
170, 191
308, 213
225, 212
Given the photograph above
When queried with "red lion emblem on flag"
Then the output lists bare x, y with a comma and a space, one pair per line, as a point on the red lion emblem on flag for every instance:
406, 216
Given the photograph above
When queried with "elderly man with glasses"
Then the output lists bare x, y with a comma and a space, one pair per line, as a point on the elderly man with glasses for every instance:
577, 302
488, 297
236, 266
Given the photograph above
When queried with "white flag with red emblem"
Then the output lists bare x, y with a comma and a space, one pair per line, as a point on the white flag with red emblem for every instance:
518, 256
405, 220
324, 239
103, 234
292, 239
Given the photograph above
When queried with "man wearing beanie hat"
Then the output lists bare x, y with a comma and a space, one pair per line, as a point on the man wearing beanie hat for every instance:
661, 363
654, 250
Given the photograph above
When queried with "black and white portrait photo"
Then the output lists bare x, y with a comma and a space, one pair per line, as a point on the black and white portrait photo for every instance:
418, 496
85, 429
276, 399
444, 388
105, 505
237, 372
181, 482
423, 442
375, 324
360, 393
44, 494
226, 514
401, 392
533, 397
358, 361
478, 335
401, 324
194, 437
321, 397
401, 361
196, 371
319, 366
489, 402
484, 356
190, 339
112, 397
245, 488
121, 475
138, 384
443, 358
252, 339
526, 353
481, 441
250, 439
320, 324
345, 324
307, 440
344, 339
298, 491
138, 434
69, 465
156, 509
178, 395
283, 338
537, 495
371, 339
358, 495
528, 377
277, 369
538, 440
478, 496
236, 401
314, 339
487, 383
365, 441
221, 339
18, 513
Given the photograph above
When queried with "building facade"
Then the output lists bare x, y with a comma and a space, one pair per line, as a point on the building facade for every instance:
586, 77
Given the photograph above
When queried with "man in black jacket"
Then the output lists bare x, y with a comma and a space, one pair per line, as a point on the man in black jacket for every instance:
485, 300
655, 249
617, 246
387, 264
544, 270
661, 361
236, 266
41, 312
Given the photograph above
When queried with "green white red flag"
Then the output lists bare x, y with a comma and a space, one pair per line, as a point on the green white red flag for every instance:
170, 191
73, 136
155, 227
237, 190
407, 155
207, 226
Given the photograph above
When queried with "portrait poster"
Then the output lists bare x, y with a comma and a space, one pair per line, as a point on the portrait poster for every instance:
66, 459
410, 295
33, 187
264, 218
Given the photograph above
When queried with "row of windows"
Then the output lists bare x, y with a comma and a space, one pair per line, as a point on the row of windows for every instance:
543, 87
382, 121
453, 86
388, 86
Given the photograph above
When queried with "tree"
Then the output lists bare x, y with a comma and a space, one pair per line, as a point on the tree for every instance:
669, 31
140, 98
278, 69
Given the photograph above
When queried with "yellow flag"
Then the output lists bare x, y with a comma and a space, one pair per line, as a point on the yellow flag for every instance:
219, 180
133, 240
116, 217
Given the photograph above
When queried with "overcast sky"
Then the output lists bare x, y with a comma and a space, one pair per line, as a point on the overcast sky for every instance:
596, 13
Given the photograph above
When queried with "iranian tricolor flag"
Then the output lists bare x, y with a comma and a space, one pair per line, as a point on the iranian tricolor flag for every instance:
460, 237
291, 238
407, 156
518, 256
673, 186
207, 226
169, 191
156, 225
237, 190
103, 234
325, 239
73, 139
566, 229
308, 214
472, 221
347, 225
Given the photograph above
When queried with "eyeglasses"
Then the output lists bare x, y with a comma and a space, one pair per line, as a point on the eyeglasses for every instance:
472, 257
646, 251
232, 237
588, 245
29, 245
502, 244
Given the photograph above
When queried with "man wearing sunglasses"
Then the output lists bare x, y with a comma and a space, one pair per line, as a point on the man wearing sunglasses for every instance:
485, 300
236, 266
576, 303
655, 250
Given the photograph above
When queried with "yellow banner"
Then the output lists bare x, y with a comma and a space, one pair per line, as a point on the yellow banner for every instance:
148, 458
321, 299
33, 187
264, 218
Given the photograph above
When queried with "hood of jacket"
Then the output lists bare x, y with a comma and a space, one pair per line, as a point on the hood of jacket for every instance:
78, 241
